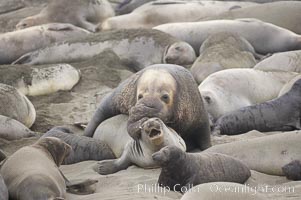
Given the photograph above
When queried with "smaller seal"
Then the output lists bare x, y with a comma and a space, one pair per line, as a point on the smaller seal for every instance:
184, 170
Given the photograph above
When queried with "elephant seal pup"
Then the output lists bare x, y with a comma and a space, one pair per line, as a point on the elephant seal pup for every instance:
137, 47
169, 11
85, 14
266, 154
32, 172
284, 61
40, 80
11, 129
292, 171
181, 170
17, 43
222, 51
166, 91
3, 189
276, 39
222, 190
17, 106
231, 89
154, 136
280, 114
83, 148
283, 14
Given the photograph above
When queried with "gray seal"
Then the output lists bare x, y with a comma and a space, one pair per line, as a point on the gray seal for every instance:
181, 170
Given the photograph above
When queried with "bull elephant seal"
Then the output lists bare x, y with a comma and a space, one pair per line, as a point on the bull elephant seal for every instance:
154, 136
17, 106
222, 51
137, 47
222, 190
11, 129
222, 95
168, 11
181, 170
166, 91
280, 114
195, 33
3, 190
85, 14
32, 172
83, 148
266, 154
40, 80
285, 61
17, 43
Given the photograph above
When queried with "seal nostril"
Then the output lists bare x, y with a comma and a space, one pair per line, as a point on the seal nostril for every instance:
154, 132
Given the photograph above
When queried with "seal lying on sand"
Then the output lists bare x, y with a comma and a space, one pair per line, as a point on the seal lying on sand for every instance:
181, 170
275, 39
138, 47
266, 154
281, 114
165, 91
85, 14
154, 136
83, 148
17, 106
17, 43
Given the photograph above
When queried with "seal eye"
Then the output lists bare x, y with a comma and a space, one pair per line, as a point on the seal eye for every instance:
178, 48
140, 96
165, 98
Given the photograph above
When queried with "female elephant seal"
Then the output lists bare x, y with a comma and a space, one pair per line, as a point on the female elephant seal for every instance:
154, 136
231, 89
168, 11
17, 43
275, 39
40, 80
137, 47
83, 148
85, 14
266, 154
223, 51
280, 114
32, 172
181, 170
166, 91
17, 106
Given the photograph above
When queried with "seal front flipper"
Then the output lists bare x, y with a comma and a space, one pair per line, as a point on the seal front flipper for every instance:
82, 187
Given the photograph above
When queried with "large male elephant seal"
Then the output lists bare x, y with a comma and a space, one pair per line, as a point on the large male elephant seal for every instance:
169, 11
83, 148
137, 47
40, 80
222, 51
85, 14
283, 14
275, 38
15, 105
154, 136
266, 154
166, 91
17, 43
231, 89
181, 170
32, 172
280, 114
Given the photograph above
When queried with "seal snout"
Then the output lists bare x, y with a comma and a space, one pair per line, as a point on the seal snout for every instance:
154, 133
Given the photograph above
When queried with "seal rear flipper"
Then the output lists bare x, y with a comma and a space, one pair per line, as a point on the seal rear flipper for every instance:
82, 187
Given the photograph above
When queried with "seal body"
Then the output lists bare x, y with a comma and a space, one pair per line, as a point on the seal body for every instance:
17, 107
137, 47
231, 89
155, 135
181, 169
266, 154
280, 114
15, 44
166, 11
222, 51
165, 91
85, 14
32, 172
275, 38
83, 148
